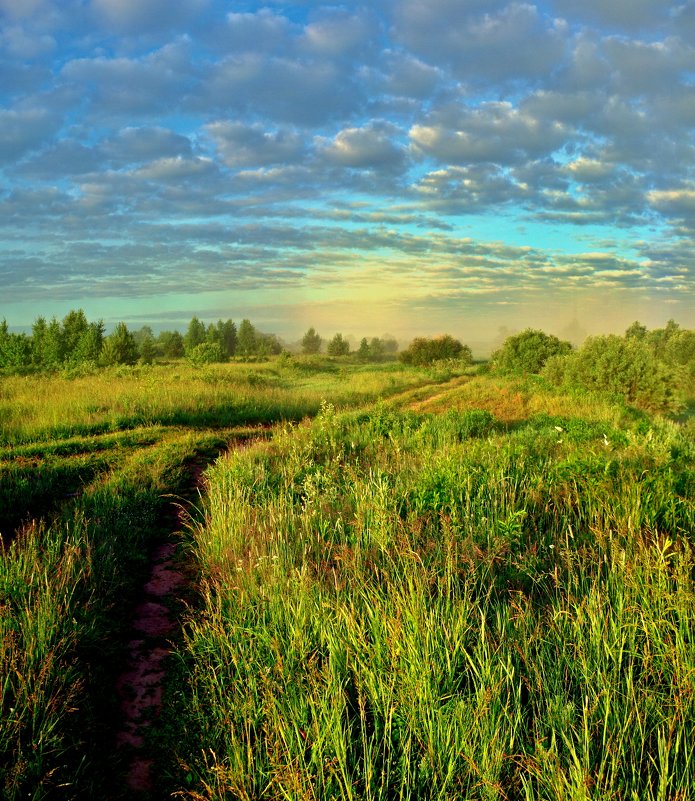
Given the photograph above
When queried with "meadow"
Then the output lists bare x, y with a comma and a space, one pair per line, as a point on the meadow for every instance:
404, 584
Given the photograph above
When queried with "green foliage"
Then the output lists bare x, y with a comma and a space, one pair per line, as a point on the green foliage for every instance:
15, 349
195, 335
119, 347
528, 352
172, 344
624, 366
206, 353
422, 351
246, 342
311, 342
338, 346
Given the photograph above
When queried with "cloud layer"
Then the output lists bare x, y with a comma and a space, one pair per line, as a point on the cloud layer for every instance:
489, 161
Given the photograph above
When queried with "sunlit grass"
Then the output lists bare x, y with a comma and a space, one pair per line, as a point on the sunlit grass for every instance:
56, 406
399, 606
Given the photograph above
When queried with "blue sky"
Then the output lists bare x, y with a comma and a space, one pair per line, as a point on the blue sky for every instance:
402, 166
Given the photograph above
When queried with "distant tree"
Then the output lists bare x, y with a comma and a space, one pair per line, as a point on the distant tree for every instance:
147, 348
246, 339
143, 334
75, 327
90, 345
311, 342
422, 351
120, 347
15, 349
53, 348
338, 346
389, 345
224, 334
171, 343
376, 348
363, 352
267, 344
195, 335
636, 331
38, 341
528, 352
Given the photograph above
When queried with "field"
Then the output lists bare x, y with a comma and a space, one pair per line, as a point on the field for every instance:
399, 584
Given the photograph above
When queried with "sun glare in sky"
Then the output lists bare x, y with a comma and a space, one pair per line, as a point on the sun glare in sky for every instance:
401, 166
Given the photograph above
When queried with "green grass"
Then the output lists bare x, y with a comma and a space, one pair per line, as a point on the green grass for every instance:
473, 588
400, 606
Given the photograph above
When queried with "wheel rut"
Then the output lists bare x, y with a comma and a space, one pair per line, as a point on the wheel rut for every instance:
154, 625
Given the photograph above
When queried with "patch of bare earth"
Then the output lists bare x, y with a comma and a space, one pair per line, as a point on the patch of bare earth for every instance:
139, 687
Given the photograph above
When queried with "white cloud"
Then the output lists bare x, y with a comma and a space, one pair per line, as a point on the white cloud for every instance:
136, 16
491, 132
371, 146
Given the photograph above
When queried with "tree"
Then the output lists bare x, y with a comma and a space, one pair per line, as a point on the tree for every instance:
246, 339
15, 349
528, 352
120, 347
363, 350
311, 342
195, 335
171, 343
338, 346
224, 334
267, 344
147, 350
422, 351
91, 342
75, 327
38, 341
619, 365
636, 331
53, 346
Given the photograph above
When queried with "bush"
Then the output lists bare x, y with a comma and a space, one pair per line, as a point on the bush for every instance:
627, 367
528, 352
206, 353
422, 351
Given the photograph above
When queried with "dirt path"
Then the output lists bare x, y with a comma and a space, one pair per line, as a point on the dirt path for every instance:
154, 624
139, 687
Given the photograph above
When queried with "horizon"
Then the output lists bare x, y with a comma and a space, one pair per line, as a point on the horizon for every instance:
400, 167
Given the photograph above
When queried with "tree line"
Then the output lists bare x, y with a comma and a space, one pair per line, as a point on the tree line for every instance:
75, 341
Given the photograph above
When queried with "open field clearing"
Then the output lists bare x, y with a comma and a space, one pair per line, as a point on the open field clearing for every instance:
443, 586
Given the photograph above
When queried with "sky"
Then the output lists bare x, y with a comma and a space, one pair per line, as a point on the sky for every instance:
410, 167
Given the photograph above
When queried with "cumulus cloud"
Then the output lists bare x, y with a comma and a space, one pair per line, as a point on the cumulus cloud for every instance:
493, 131
244, 145
23, 130
136, 16
372, 146
146, 146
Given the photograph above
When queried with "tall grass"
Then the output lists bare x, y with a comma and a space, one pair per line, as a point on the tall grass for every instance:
58, 406
401, 606
65, 585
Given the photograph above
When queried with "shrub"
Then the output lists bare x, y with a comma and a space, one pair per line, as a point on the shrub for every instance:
423, 351
626, 367
528, 352
206, 353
